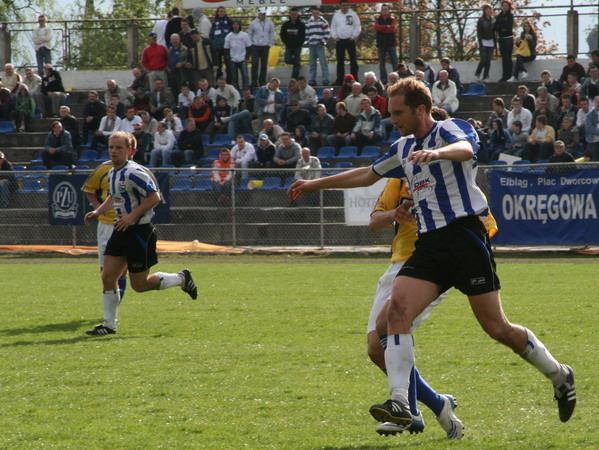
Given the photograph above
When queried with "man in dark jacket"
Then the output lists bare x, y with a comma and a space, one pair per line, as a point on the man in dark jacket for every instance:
190, 142
93, 112
201, 60
70, 124
144, 144
293, 35
52, 92
58, 149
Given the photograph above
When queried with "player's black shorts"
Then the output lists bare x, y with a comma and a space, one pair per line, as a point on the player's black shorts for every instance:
137, 243
458, 255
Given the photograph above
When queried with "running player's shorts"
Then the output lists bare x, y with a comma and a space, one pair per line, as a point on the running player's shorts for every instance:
458, 255
137, 243
103, 234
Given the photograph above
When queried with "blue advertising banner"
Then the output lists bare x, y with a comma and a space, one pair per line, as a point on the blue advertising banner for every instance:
66, 201
68, 204
545, 209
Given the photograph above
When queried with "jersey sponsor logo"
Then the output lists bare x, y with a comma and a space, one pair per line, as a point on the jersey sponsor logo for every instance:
122, 186
64, 201
477, 281
422, 183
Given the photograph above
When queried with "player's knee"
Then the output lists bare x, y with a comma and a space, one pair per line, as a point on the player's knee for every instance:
398, 310
500, 331
138, 285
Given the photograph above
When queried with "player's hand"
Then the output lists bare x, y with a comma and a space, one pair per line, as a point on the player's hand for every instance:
90, 217
402, 213
297, 189
423, 156
123, 222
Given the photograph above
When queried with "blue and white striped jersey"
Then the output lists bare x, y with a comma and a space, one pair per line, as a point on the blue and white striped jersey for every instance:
129, 186
443, 190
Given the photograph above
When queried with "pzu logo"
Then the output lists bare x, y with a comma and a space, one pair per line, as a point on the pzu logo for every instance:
64, 201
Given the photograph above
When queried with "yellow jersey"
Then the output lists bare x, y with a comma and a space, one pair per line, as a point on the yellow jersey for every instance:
97, 183
395, 193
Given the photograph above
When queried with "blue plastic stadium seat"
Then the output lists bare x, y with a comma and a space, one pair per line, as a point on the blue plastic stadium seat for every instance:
213, 155
543, 161
82, 167
344, 165
475, 90
271, 183
248, 137
38, 160
37, 114
182, 185
104, 156
288, 182
522, 161
60, 168
325, 165
37, 176
87, 156
325, 152
393, 136
31, 186
7, 127
203, 185
347, 152
221, 140
87, 144
370, 152
498, 163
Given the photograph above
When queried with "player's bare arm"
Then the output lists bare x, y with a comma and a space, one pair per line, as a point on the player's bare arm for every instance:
126, 220
380, 220
104, 207
93, 200
458, 151
363, 176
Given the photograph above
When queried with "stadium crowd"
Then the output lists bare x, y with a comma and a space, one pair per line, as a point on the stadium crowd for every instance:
193, 85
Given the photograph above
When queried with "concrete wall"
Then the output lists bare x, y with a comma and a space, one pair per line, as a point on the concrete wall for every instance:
97, 79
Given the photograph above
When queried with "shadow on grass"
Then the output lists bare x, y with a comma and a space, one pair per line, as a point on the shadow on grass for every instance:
73, 325
392, 443
73, 340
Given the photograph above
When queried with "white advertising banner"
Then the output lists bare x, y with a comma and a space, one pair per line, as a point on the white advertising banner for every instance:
189, 4
359, 203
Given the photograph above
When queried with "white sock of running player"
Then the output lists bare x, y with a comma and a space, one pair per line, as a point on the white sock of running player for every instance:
169, 280
110, 304
399, 360
538, 355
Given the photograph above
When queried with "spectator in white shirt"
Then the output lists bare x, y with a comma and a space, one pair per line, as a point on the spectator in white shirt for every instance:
108, 125
243, 154
33, 81
262, 35
521, 114
164, 142
237, 44
345, 29
42, 42
130, 120
185, 99
228, 92
445, 93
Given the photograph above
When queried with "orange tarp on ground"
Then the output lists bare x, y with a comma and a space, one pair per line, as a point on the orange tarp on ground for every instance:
162, 247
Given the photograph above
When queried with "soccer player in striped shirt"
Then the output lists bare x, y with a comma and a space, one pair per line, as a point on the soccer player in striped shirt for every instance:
438, 160
132, 244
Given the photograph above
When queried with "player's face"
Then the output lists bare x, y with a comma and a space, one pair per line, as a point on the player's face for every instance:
118, 150
402, 116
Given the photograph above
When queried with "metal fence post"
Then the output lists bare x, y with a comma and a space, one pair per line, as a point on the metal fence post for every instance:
132, 44
321, 200
233, 211
4, 45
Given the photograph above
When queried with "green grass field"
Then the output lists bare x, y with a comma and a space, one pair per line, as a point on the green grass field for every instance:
273, 355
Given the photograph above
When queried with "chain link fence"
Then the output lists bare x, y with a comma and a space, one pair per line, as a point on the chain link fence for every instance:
252, 212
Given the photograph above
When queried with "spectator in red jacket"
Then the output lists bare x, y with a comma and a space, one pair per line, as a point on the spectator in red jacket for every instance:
155, 60
385, 26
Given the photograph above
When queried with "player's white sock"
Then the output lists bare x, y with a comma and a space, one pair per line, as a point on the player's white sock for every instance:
169, 280
538, 355
399, 360
110, 304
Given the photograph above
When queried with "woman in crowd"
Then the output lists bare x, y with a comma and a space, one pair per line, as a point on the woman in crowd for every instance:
24, 109
504, 27
486, 42
499, 139
529, 36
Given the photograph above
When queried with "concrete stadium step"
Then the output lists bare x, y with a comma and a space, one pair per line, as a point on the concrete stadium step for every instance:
496, 88
45, 125
477, 115
28, 139
21, 155
482, 102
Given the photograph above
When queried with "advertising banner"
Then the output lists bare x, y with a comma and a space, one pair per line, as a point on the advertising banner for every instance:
545, 208
359, 203
189, 4
68, 204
